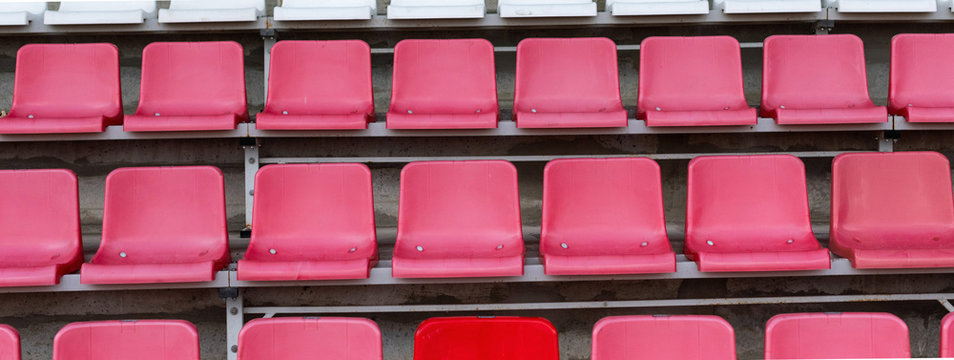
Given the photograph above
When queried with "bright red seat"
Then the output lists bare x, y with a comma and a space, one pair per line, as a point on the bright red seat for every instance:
9, 343
318, 85
692, 81
922, 80
685, 337
40, 237
836, 336
189, 86
567, 83
817, 79
750, 213
311, 222
443, 84
458, 219
298, 338
498, 338
892, 210
65, 88
604, 216
947, 336
161, 225
127, 339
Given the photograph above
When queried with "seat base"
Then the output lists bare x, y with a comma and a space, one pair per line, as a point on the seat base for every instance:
30, 276
898, 259
21, 125
530, 120
621, 8
547, 10
436, 12
303, 270
323, 13
14, 18
771, 6
746, 116
442, 121
180, 123
269, 121
609, 264
147, 273
93, 17
929, 115
818, 259
869, 115
451, 267
886, 6
207, 15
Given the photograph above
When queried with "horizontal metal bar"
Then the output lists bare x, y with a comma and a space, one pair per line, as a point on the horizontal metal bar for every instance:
529, 158
116, 132
71, 283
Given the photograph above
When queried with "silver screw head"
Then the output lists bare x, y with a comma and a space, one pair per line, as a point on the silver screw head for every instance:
420, 248
564, 245
272, 251
122, 254
710, 243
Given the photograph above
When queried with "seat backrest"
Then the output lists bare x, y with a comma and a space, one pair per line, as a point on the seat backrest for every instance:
320, 77
498, 338
121, 340
193, 78
312, 3
259, 5
34, 7
39, 218
9, 343
444, 77
67, 80
298, 338
685, 337
920, 71
436, 2
148, 7
947, 336
836, 336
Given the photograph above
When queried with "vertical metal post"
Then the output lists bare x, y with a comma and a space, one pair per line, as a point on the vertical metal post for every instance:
885, 143
824, 27
250, 146
234, 319
269, 37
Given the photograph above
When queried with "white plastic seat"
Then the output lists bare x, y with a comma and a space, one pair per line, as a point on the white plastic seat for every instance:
436, 9
657, 7
20, 13
307, 10
100, 12
192, 11
882, 6
546, 8
767, 6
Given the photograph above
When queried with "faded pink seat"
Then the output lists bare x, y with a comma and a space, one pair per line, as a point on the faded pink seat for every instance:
124, 339
922, 80
295, 338
9, 343
836, 336
947, 336
647, 337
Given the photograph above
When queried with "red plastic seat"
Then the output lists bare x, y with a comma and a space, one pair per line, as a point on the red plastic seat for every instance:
311, 222
125, 339
189, 86
498, 338
318, 85
65, 88
567, 83
692, 81
684, 337
443, 84
40, 237
836, 336
604, 216
458, 219
161, 225
9, 343
750, 213
829, 86
922, 80
310, 338
947, 336
892, 210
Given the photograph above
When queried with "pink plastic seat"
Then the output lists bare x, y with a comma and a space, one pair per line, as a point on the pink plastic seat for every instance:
817, 79
9, 343
947, 336
443, 84
750, 213
922, 80
567, 83
458, 219
298, 338
65, 88
311, 222
692, 81
125, 339
647, 337
892, 210
161, 225
318, 85
498, 338
40, 237
836, 336
604, 216
190, 86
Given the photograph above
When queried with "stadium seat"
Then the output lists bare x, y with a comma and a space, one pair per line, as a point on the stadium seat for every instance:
100, 12
546, 8
604, 216
768, 6
648, 337
922, 83
483, 338
161, 225
188, 86
892, 210
310, 10
443, 84
692, 81
21, 13
730, 226
318, 85
458, 219
836, 336
947, 336
829, 87
192, 11
658, 7
127, 339
882, 6
9, 343
296, 338
311, 222
39, 227
567, 83
436, 9
65, 88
